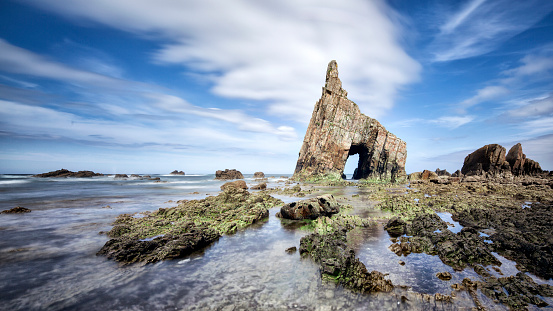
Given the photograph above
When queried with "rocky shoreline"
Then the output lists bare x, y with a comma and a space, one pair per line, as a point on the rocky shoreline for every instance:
512, 217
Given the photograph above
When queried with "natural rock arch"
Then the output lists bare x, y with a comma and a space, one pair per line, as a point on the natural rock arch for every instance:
338, 129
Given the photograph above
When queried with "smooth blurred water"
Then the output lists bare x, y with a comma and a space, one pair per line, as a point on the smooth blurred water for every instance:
48, 257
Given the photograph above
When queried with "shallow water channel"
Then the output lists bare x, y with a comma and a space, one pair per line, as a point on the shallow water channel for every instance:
48, 262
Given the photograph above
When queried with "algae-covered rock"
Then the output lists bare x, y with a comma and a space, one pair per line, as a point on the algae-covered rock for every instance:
178, 231
338, 262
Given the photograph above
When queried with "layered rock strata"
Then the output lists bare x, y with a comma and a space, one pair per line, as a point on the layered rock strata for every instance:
338, 129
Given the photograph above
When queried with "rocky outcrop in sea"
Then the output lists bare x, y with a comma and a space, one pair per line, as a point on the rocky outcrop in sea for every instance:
228, 174
338, 129
67, 173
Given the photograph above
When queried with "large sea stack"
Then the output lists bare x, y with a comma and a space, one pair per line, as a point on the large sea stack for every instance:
338, 129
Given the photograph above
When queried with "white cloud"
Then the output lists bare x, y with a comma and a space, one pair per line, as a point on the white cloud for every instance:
481, 26
533, 108
243, 121
272, 51
534, 67
482, 95
17, 60
452, 122
460, 17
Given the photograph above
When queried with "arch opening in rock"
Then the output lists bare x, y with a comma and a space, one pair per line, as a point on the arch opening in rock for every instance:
352, 163
363, 167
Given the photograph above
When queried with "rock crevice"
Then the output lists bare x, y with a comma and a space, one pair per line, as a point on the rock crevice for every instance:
338, 129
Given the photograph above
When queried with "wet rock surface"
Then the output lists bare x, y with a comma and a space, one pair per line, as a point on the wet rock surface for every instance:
175, 232
514, 212
524, 235
324, 205
428, 234
516, 291
68, 173
338, 262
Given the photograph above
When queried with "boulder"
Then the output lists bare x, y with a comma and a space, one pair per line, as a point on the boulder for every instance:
238, 184
175, 172
422, 176
324, 205
228, 174
338, 129
120, 176
395, 227
259, 175
261, 186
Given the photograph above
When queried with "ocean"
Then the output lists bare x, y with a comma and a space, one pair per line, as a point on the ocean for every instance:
48, 257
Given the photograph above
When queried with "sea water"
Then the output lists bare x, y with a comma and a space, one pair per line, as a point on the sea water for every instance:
48, 257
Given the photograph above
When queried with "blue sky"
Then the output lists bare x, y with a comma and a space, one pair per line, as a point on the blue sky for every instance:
137, 86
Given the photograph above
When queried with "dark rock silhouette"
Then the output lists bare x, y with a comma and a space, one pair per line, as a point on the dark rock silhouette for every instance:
16, 210
175, 172
491, 160
67, 173
338, 129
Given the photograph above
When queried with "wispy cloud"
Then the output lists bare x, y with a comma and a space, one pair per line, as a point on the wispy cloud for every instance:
481, 26
452, 122
534, 68
270, 51
482, 95
243, 121
538, 107
14, 59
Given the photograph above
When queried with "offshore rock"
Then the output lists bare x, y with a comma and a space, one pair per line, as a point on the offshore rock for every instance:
338, 129
67, 173
228, 174
259, 175
324, 205
175, 172
491, 160
16, 210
